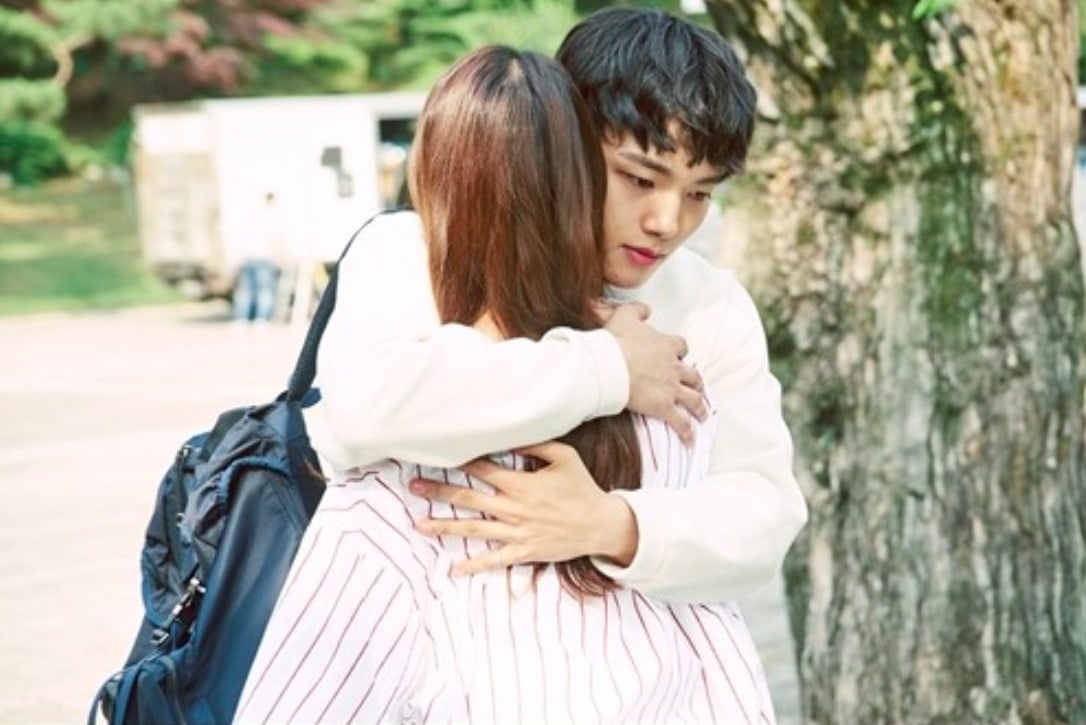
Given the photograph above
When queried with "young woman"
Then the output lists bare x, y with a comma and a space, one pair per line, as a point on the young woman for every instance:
373, 626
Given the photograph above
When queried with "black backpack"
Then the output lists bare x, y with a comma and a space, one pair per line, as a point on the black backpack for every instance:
228, 519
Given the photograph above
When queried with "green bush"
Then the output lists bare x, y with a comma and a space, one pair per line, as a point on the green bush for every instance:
31, 153
24, 100
91, 157
118, 146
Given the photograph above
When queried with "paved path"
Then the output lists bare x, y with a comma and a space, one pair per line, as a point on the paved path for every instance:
92, 408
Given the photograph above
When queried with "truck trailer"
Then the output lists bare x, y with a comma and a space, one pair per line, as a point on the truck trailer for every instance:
204, 169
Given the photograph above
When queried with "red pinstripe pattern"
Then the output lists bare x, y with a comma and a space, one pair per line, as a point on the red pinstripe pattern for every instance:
365, 697
339, 643
567, 668
513, 646
319, 634
372, 626
294, 626
539, 649
648, 442
630, 657
307, 551
605, 647
650, 642
325, 713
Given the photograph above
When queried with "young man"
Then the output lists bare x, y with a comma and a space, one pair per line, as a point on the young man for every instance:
677, 114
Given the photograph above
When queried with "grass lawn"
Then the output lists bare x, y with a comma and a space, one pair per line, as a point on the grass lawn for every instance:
72, 245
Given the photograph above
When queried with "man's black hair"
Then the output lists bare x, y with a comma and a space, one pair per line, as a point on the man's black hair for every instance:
638, 69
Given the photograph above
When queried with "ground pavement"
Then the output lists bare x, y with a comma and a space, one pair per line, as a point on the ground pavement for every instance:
92, 408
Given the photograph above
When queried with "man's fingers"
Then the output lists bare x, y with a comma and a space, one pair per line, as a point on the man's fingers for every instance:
500, 558
680, 422
679, 343
490, 472
639, 309
462, 496
467, 528
691, 378
604, 310
694, 403
550, 451
643, 311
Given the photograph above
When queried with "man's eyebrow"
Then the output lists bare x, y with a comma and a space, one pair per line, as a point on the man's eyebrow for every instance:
653, 165
714, 179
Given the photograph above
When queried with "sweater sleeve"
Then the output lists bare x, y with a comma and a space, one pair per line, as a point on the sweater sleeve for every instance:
728, 533
396, 384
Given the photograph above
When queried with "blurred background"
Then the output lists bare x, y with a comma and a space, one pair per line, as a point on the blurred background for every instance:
177, 176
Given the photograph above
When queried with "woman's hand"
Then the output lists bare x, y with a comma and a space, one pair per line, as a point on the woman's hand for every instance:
554, 514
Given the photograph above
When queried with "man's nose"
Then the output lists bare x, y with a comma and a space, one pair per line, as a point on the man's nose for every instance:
662, 218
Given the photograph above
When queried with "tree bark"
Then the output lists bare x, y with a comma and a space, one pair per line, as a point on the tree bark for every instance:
913, 252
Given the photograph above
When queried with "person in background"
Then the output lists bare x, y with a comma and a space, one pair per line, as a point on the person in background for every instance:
256, 291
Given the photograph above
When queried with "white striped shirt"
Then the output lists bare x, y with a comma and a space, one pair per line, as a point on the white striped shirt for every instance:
372, 628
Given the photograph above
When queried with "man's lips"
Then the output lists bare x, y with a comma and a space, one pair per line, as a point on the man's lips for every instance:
641, 256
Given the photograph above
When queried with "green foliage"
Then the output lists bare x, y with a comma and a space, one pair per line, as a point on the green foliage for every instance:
30, 100
395, 41
303, 65
927, 8
124, 52
540, 27
407, 43
117, 148
109, 19
32, 152
25, 45
1081, 41
27, 91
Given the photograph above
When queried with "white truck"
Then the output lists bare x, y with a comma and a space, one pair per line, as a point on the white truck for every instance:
203, 170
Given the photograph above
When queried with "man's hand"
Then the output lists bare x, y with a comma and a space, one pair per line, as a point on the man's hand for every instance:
661, 385
554, 514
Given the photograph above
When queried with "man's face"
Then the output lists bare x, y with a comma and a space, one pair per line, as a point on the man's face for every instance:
655, 201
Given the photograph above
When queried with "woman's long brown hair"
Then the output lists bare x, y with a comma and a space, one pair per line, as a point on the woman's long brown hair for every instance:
508, 178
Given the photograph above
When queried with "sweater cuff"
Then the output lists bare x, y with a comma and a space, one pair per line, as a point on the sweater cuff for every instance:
648, 561
612, 372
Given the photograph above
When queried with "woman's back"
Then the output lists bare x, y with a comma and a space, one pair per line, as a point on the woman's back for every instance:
372, 626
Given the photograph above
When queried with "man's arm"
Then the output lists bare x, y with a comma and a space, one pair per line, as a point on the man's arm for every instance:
729, 533
713, 541
395, 383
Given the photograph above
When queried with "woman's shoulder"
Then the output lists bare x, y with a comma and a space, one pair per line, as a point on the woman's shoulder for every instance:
667, 462
388, 251
392, 230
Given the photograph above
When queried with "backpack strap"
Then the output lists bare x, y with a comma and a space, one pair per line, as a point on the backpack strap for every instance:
305, 369
122, 684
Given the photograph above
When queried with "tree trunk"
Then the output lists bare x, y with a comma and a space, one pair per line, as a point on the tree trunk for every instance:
913, 252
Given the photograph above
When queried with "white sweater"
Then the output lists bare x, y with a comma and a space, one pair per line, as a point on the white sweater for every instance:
397, 384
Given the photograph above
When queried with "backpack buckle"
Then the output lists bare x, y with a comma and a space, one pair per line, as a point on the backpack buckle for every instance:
161, 635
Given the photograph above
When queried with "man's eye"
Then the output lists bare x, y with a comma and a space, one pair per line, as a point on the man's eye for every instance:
700, 195
638, 181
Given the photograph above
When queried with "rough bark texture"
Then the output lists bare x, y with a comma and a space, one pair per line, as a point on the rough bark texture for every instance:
913, 251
